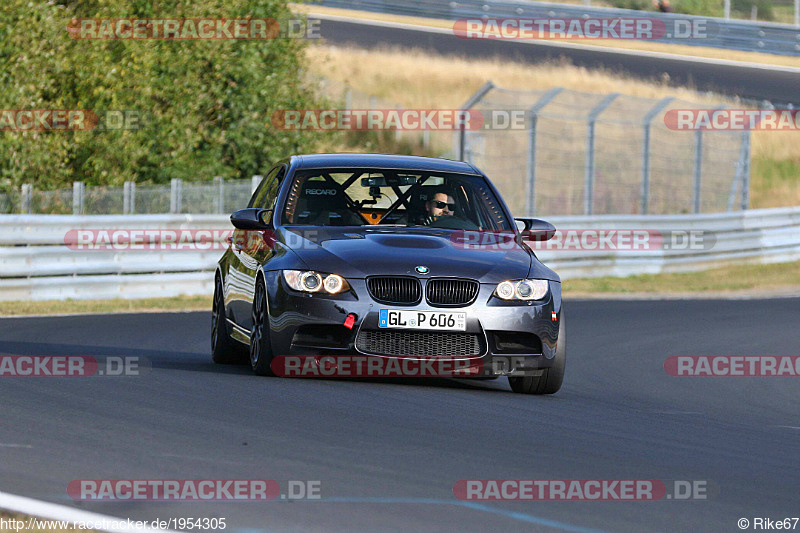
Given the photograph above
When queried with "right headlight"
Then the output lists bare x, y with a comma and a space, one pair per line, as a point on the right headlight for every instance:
522, 289
311, 281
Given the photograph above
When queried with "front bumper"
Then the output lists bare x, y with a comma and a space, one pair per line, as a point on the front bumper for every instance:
516, 338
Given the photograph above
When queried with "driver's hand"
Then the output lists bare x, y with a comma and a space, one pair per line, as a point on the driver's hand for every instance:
427, 220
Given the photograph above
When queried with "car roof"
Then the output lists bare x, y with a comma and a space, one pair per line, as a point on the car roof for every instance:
404, 162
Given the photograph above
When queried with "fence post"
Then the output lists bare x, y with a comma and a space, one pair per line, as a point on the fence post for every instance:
698, 166
77, 197
698, 169
644, 195
797, 12
219, 200
469, 104
26, 199
533, 114
398, 131
588, 195
176, 195
129, 197
255, 181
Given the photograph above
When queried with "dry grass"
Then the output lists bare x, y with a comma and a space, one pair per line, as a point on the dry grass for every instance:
416, 79
730, 280
54, 307
679, 49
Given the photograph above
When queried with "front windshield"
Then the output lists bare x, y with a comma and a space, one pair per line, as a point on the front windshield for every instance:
366, 197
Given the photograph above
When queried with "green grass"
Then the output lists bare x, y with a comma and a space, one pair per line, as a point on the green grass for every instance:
730, 279
56, 307
774, 182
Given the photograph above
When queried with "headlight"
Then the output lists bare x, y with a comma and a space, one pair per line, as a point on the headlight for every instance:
311, 281
523, 289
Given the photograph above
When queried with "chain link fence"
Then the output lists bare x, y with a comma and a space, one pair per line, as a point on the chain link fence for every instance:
218, 196
579, 153
582, 153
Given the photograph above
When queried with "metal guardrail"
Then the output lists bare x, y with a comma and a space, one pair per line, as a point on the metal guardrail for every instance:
38, 265
772, 38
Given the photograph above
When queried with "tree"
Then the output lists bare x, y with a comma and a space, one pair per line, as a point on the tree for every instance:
203, 105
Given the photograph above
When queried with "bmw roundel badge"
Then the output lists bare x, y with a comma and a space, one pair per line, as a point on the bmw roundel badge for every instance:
422, 269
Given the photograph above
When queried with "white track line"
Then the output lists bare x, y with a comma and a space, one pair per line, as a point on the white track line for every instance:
572, 46
53, 511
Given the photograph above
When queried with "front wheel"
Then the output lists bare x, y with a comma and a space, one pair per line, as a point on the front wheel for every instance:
550, 380
260, 348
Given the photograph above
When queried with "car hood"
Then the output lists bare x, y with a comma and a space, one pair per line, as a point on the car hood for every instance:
361, 252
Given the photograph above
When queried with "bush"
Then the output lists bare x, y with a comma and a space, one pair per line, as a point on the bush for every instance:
208, 102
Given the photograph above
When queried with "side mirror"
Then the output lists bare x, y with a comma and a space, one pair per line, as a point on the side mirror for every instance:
535, 229
252, 218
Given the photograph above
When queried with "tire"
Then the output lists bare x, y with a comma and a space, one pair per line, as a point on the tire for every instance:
260, 348
551, 379
224, 350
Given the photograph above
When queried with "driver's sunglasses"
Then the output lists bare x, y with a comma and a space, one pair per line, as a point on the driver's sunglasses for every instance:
442, 205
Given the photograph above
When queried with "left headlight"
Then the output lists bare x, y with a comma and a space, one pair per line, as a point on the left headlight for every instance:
312, 281
522, 289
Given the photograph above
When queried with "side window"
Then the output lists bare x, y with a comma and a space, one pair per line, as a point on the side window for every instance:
267, 192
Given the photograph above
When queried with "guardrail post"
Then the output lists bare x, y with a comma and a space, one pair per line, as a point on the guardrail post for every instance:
533, 115
26, 199
588, 194
129, 197
77, 197
469, 104
176, 195
219, 201
644, 195
254, 183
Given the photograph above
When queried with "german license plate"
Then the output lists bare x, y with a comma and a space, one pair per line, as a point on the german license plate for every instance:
436, 320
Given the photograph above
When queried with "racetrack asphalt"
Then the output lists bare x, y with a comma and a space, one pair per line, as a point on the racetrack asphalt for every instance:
387, 454
779, 85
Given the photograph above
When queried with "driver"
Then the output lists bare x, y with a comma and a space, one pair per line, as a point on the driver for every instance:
441, 204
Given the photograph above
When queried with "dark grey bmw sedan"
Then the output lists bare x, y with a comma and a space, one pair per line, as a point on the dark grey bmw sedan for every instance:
388, 257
